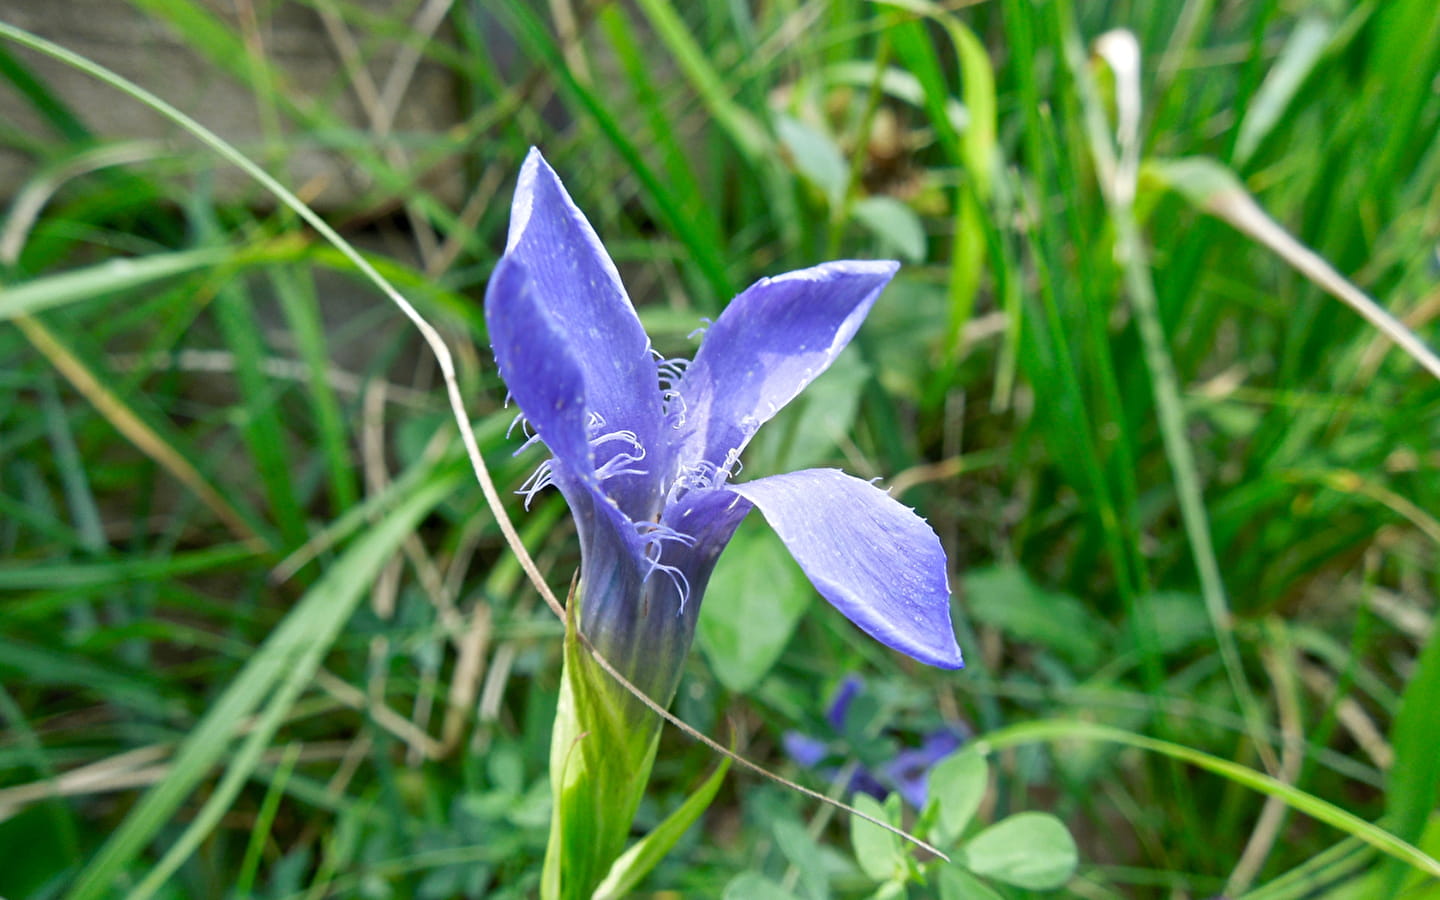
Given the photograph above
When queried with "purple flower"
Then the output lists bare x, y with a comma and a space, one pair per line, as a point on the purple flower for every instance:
643, 448
907, 772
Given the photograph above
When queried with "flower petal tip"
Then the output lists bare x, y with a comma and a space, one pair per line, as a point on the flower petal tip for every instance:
873, 559
949, 658
880, 270
539, 185
535, 166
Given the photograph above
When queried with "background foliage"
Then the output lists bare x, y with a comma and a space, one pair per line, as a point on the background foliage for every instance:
260, 637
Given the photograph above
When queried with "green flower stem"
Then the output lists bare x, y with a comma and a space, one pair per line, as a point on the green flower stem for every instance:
601, 751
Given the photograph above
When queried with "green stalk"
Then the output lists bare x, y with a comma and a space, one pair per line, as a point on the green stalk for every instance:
602, 748
1118, 181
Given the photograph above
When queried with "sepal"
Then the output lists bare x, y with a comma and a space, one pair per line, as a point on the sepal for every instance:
645, 853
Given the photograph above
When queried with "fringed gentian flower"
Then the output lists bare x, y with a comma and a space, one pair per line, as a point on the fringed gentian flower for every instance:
644, 449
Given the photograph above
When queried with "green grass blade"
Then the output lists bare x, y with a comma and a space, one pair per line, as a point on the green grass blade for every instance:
1131, 255
1297, 59
47, 665
208, 33
1215, 189
296, 291
281, 669
973, 148
678, 167
30, 576
264, 437
265, 821
42, 522
32, 751
1055, 731
913, 47
747, 134
106, 278
78, 494
145, 427
1413, 786
53, 109
1407, 47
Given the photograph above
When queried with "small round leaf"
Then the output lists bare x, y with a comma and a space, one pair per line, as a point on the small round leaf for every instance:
957, 884
957, 785
1030, 850
876, 850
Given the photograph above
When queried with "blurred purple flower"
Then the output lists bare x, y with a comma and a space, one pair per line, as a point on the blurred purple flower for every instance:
907, 773
643, 448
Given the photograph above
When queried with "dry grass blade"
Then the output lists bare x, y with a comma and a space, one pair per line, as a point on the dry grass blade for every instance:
1280, 663
344, 692
134, 428
137, 768
1216, 190
31, 199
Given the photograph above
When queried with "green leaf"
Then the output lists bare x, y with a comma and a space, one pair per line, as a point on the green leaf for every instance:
876, 850
1414, 779
1005, 598
894, 224
104, 279
804, 854
753, 603
815, 156
635, 863
754, 886
1184, 621
957, 884
1297, 59
1030, 850
957, 785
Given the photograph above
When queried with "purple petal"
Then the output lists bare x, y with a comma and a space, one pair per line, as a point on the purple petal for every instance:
864, 782
870, 556
941, 743
840, 707
576, 283
804, 749
709, 518
909, 771
535, 359
771, 341
653, 604
914, 789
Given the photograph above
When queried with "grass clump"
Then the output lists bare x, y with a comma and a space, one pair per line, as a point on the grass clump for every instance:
262, 636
